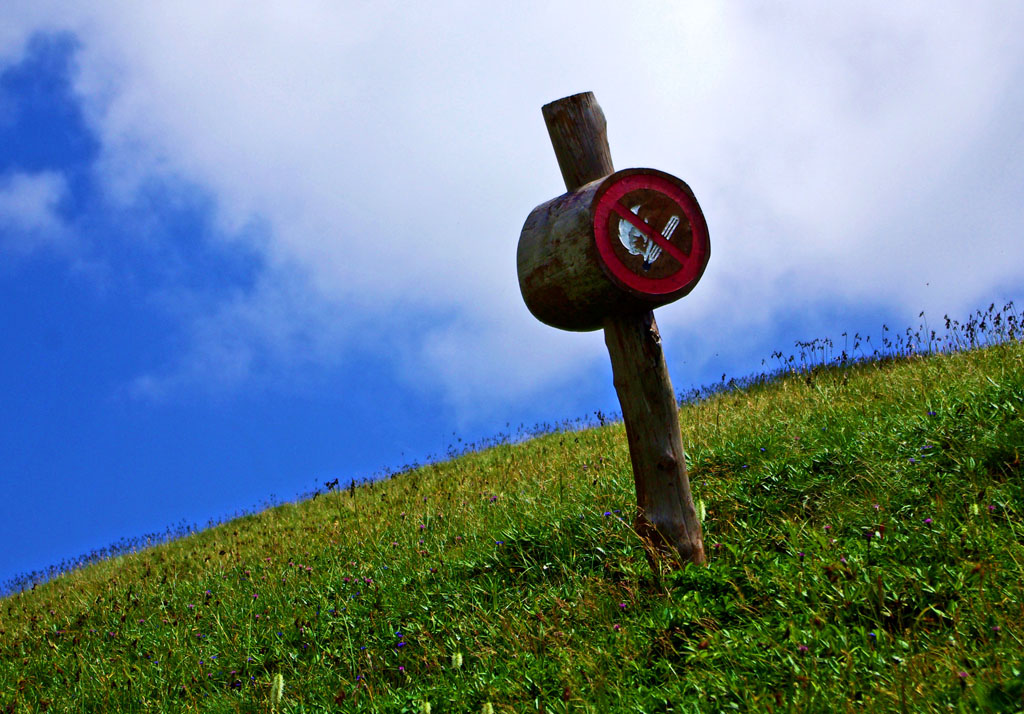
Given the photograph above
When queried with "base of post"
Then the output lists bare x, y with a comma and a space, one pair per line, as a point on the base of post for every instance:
661, 549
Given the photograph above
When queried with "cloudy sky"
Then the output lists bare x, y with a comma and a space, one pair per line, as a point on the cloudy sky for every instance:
248, 247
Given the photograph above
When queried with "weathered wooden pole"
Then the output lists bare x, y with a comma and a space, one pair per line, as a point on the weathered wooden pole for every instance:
604, 255
665, 511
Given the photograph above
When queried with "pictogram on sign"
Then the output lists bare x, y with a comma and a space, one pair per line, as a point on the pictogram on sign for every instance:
650, 232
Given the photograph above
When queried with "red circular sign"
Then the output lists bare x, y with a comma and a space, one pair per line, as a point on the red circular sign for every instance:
650, 232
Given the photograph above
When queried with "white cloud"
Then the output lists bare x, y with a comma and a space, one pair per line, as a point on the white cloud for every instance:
29, 217
392, 151
835, 151
23, 18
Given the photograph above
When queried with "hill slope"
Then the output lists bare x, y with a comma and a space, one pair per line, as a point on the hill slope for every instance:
866, 553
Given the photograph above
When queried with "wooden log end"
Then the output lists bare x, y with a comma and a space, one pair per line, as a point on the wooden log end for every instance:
579, 136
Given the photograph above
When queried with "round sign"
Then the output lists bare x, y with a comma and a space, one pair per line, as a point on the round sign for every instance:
650, 232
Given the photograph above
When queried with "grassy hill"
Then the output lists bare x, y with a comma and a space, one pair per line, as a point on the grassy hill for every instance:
863, 523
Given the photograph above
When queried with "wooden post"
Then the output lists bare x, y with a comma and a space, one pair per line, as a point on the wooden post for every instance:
665, 512
579, 135
666, 517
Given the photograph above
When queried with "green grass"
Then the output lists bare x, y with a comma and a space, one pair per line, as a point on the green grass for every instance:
866, 547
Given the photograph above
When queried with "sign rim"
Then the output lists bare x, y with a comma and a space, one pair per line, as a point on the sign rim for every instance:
610, 192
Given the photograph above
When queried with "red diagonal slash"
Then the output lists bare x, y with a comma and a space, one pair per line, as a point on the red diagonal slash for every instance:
610, 201
649, 232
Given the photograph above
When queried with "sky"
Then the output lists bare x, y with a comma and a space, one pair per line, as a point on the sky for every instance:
250, 247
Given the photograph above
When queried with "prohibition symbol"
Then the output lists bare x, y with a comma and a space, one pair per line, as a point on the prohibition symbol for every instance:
650, 232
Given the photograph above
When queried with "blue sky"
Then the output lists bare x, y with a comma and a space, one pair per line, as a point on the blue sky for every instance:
246, 248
